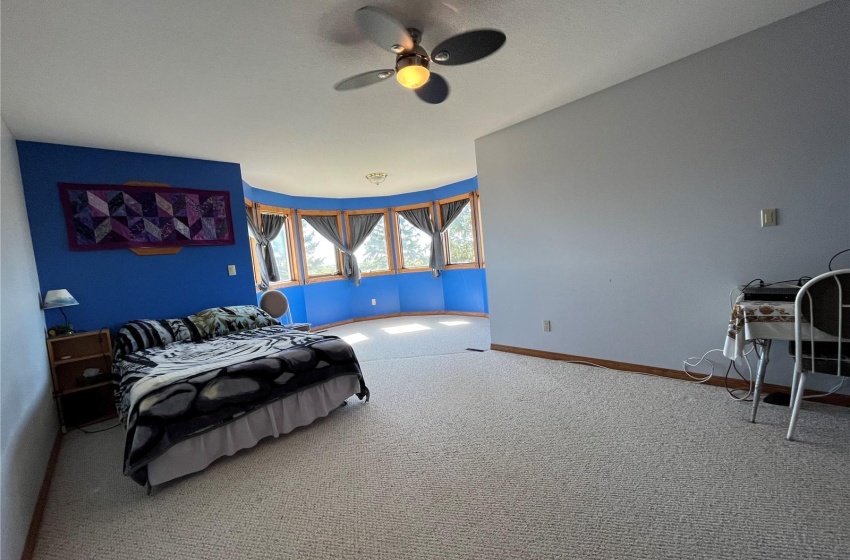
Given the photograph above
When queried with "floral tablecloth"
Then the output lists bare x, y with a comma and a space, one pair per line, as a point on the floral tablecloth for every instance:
753, 320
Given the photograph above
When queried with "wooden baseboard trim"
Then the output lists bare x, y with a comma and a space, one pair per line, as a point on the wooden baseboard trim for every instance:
41, 502
717, 381
392, 315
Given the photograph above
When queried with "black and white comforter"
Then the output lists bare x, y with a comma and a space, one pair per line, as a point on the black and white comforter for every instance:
169, 394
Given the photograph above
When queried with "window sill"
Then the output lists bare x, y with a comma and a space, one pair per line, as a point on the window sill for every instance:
329, 278
404, 270
278, 285
376, 273
461, 266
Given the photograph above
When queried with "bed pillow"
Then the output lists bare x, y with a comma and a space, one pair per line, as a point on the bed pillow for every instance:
219, 321
142, 334
183, 329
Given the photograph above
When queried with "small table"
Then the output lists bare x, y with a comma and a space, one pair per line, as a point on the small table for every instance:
765, 321
82, 399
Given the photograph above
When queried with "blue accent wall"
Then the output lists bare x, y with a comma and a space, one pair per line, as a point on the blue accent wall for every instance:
465, 289
114, 286
406, 292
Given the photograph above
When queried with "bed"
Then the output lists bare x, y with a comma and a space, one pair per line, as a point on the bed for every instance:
194, 389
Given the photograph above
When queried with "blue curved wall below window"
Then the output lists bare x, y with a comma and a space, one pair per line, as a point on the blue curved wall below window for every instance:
334, 301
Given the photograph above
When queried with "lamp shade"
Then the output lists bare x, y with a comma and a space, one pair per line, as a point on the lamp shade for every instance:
58, 298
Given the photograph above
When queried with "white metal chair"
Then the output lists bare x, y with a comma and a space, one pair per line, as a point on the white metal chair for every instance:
824, 301
275, 304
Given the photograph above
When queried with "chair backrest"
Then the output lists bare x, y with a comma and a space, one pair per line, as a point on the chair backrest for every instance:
274, 303
826, 303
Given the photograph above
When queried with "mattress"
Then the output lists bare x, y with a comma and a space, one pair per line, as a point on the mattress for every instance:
170, 394
280, 417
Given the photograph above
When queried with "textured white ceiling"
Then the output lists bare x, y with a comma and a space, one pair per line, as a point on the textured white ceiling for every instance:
251, 81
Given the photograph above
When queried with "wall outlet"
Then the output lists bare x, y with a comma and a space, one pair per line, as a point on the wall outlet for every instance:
231, 270
547, 326
768, 217
374, 301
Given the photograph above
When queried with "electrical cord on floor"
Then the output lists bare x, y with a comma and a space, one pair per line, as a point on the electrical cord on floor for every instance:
100, 430
706, 376
696, 361
600, 366
830, 392
731, 392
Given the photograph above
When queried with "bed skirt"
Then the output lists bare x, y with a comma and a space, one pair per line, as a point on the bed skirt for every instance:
280, 417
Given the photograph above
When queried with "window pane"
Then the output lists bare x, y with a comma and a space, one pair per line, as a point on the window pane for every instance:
280, 246
372, 255
319, 253
461, 242
415, 244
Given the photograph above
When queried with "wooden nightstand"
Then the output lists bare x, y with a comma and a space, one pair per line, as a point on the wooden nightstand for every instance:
82, 400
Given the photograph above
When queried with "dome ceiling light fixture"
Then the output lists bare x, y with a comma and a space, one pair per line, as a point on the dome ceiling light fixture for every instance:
376, 178
412, 63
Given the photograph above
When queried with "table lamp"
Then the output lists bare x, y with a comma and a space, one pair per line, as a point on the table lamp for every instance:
57, 299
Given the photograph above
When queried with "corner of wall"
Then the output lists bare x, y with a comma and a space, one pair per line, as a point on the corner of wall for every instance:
29, 422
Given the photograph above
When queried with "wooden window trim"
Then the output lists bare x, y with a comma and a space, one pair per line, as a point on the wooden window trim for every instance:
464, 196
399, 255
479, 228
470, 196
323, 277
390, 256
252, 207
291, 246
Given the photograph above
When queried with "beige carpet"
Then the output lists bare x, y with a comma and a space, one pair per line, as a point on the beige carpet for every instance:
481, 456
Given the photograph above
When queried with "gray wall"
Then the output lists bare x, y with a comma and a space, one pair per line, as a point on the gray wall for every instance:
626, 217
28, 421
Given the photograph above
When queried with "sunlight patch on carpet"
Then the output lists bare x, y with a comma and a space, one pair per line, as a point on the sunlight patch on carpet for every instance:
354, 338
412, 327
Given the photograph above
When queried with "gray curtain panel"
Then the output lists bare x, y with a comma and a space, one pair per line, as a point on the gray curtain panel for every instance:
421, 219
270, 226
328, 227
255, 232
450, 211
361, 225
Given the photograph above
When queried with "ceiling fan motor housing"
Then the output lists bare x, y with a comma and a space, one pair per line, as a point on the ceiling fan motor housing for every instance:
416, 54
416, 58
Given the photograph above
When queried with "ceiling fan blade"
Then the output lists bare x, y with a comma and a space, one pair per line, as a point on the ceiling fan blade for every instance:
435, 90
468, 47
363, 80
383, 29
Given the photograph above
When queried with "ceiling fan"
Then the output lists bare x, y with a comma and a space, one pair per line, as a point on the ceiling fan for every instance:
412, 61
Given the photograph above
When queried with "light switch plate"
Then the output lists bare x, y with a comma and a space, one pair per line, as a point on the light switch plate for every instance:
231, 270
547, 326
768, 217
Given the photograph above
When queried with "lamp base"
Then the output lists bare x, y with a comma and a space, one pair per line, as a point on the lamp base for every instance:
60, 330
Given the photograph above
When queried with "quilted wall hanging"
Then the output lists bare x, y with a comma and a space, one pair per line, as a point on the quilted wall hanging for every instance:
121, 217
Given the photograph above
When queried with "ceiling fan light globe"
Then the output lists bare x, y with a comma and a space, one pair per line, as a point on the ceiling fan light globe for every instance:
413, 77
